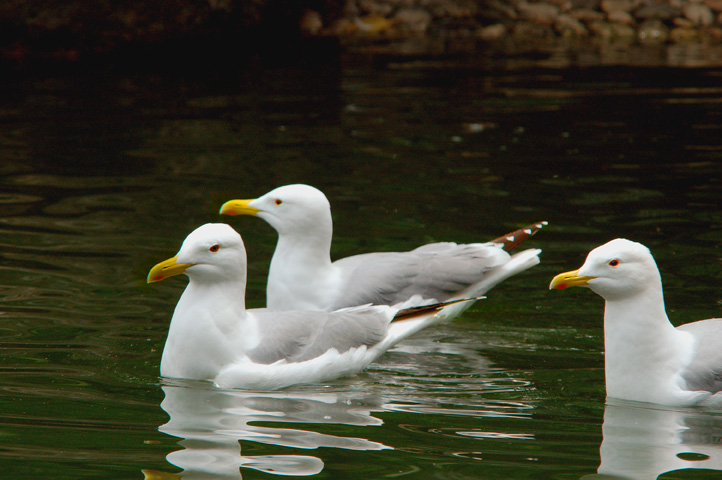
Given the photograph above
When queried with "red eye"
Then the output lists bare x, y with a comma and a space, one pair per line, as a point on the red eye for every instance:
279, 201
613, 263
214, 248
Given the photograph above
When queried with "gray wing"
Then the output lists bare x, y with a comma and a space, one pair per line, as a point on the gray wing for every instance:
297, 336
436, 271
705, 371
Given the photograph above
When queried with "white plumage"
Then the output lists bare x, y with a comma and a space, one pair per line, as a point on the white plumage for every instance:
647, 359
302, 275
213, 337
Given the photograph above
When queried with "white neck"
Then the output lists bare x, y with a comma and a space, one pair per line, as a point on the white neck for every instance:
199, 344
301, 275
644, 353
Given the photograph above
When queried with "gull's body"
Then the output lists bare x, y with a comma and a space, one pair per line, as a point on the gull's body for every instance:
647, 359
302, 275
213, 337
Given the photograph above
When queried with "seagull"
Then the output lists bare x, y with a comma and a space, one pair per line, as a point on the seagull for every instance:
646, 358
302, 275
213, 337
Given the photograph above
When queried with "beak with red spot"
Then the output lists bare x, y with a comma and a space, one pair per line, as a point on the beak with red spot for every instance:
167, 268
569, 279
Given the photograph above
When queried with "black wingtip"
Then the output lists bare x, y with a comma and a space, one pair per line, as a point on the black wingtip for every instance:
512, 240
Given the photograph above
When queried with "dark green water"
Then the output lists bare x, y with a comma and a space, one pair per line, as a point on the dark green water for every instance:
103, 175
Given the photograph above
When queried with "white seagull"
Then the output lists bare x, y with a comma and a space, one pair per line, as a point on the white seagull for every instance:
646, 358
213, 337
302, 275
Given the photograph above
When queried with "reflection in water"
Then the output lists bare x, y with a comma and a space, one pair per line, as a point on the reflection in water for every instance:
212, 421
643, 441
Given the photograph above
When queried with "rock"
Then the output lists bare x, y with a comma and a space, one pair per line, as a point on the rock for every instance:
682, 22
698, 13
624, 18
613, 32
443, 8
715, 5
504, 8
623, 33
491, 32
569, 26
601, 29
683, 35
374, 24
563, 5
653, 32
587, 15
415, 20
713, 34
311, 22
609, 6
373, 7
659, 11
542, 13
586, 4
532, 32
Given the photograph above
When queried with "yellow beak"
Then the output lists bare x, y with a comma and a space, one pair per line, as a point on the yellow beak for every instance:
167, 268
238, 207
568, 279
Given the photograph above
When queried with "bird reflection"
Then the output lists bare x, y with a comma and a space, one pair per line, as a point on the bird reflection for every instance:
643, 441
213, 423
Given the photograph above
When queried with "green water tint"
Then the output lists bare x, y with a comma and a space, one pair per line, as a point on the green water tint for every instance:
103, 176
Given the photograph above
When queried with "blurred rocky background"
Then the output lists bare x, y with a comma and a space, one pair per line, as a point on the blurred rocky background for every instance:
62, 31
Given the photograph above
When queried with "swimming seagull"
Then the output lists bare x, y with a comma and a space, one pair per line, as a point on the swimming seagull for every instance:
213, 337
646, 358
302, 276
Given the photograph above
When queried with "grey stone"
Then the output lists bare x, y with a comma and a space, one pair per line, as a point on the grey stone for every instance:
682, 22
659, 11
540, 12
587, 15
383, 9
416, 20
491, 32
588, 4
699, 13
503, 8
601, 29
529, 32
684, 35
623, 33
715, 5
570, 26
610, 6
563, 5
624, 18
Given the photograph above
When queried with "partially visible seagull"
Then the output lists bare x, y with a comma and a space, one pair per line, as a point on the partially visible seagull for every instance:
213, 337
302, 275
646, 358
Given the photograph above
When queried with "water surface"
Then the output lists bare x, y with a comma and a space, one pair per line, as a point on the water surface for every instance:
103, 175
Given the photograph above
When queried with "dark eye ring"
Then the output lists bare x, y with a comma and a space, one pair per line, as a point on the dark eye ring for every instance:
214, 248
279, 201
613, 263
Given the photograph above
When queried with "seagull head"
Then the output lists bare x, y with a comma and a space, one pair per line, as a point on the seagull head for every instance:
213, 251
618, 269
288, 209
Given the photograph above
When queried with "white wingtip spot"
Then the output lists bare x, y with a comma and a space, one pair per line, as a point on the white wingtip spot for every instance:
527, 231
510, 238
